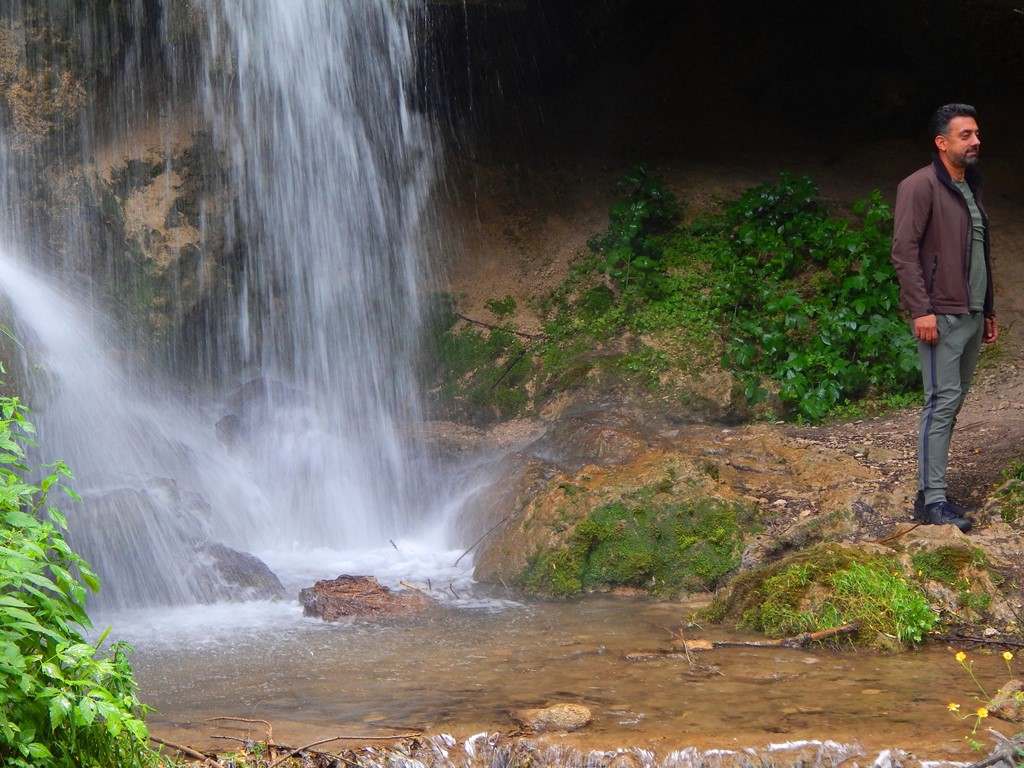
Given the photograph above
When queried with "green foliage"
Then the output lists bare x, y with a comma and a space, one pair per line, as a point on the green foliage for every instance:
826, 587
793, 298
814, 299
60, 704
665, 549
1011, 495
501, 308
630, 252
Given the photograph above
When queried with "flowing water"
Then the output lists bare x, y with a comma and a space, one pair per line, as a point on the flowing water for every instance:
463, 671
297, 425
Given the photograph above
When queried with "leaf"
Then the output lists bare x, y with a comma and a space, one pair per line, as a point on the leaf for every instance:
85, 711
60, 707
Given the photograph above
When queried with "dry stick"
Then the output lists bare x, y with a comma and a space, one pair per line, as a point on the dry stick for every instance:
294, 752
490, 327
188, 752
270, 728
508, 368
983, 640
477, 542
413, 586
797, 641
897, 535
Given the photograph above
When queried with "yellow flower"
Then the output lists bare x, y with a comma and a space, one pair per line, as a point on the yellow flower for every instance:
982, 712
961, 656
1007, 656
953, 707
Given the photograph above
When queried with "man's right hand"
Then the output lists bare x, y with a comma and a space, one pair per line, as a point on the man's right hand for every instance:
926, 329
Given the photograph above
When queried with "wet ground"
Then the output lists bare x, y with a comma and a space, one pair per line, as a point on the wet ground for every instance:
461, 670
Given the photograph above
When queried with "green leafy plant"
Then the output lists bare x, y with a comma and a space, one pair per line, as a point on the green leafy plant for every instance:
1011, 495
61, 705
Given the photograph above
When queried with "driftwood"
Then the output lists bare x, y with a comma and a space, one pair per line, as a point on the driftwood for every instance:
188, 752
797, 641
309, 746
1008, 752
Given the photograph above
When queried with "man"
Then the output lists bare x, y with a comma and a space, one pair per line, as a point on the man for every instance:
941, 252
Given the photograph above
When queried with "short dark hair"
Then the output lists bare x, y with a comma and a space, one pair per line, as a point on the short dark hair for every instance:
945, 114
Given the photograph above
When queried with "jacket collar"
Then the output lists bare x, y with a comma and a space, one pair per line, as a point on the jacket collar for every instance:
972, 176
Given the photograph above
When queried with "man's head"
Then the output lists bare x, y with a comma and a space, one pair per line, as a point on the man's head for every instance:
954, 129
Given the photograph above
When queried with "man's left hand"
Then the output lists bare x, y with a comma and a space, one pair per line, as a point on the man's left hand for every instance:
991, 330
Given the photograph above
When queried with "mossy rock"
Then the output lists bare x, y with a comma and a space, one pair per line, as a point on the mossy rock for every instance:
829, 586
662, 548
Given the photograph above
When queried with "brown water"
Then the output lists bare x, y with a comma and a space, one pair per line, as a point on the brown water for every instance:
461, 671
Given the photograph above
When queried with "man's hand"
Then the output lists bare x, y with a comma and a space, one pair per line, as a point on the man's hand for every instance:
927, 330
991, 330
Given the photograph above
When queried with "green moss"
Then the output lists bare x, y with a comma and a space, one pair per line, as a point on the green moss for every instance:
825, 587
664, 548
946, 564
1011, 495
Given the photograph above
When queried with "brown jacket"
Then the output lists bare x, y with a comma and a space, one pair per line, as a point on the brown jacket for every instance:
931, 243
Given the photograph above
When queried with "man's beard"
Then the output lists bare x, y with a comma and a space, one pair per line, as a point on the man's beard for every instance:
968, 159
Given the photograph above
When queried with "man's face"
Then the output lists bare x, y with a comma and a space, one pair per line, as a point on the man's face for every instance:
961, 143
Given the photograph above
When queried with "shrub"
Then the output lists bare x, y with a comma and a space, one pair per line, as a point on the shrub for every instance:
60, 705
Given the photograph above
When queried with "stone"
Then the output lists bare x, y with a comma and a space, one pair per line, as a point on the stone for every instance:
358, 596
1008, 703
557, 717
246, 575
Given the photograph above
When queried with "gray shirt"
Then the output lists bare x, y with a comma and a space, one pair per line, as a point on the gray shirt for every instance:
977, 276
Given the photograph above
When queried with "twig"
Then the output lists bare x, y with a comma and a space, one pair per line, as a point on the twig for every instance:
797, 641
188, 752
396, 737
982, 640
270, 729
407, 585
477, 542
897, 535
491, 327
394, 545
451, 586
508, 368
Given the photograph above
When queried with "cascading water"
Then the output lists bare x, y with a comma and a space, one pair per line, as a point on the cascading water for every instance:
334, 172
300, 429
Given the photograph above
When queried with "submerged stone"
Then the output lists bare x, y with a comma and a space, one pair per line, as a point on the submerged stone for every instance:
557, 717
345, 596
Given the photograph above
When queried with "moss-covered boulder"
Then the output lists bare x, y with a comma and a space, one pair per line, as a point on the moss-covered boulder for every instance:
829, 586
664, 548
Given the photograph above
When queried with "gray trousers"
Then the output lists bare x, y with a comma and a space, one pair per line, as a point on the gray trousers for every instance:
947, 368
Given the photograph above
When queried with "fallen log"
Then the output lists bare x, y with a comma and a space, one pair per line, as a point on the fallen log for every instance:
797, 641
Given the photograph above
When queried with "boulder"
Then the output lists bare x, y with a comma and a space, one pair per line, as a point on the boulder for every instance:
346, 596
557, 717
244, 574
1008, 703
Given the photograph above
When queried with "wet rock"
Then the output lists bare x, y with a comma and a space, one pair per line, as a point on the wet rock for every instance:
1008, 703
153, 546
557, 717
241, 571
601, 438
345, 596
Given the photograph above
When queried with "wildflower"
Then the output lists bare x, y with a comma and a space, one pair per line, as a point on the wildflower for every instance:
1007, 656
953, 707
961, 656
981, 713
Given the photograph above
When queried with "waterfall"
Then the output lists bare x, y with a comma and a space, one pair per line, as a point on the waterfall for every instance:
334, 171
286, 418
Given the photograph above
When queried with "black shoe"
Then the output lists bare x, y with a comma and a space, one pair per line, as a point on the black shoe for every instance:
944, 513
959, 509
